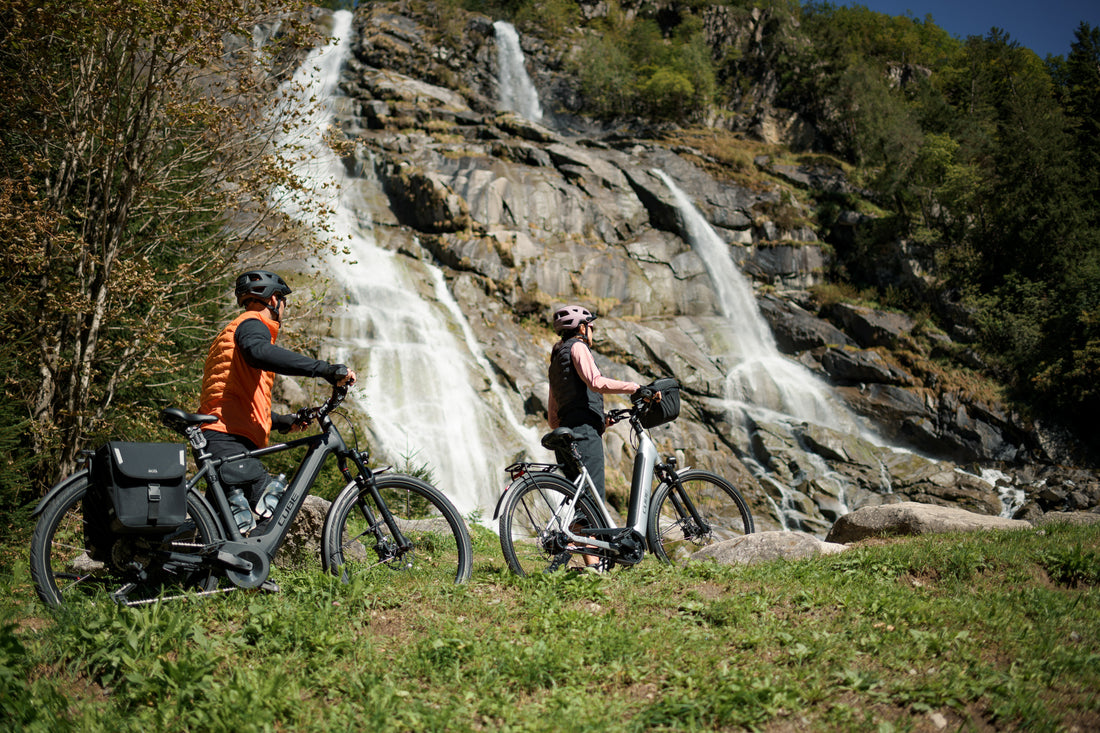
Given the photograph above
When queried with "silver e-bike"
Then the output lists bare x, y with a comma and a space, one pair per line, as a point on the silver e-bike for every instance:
548, 522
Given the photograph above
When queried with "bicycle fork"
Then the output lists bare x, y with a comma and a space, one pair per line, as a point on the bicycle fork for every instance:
365, 480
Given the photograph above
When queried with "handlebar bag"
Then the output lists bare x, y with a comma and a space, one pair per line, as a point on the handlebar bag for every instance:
145, 485
668, 409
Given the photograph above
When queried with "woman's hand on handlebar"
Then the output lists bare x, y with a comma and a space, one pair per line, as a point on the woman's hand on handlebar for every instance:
347, 380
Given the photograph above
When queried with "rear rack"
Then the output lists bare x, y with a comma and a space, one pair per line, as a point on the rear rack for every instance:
519, 468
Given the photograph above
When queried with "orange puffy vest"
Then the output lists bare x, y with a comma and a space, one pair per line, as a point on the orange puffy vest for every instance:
237, 394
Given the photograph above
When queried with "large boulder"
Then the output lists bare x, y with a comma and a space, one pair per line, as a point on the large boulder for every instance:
302, 546
765, 547
912, 518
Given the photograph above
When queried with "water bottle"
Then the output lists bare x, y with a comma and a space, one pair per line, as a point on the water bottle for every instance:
265, 507
241, 511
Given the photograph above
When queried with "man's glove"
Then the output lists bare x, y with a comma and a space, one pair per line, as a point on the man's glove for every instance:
336, 372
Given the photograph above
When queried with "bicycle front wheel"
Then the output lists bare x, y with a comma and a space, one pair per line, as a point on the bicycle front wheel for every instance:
133, 568
533, 521
699, 510
356, 541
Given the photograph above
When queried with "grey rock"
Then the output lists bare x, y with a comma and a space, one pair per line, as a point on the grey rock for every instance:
1074, 519
303, 542
912, 518
766, 547
870, 327
796, 329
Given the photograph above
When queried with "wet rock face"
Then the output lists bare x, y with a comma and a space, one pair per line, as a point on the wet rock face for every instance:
523, 216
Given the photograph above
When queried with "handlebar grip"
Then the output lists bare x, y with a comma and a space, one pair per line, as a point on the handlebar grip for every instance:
642, 393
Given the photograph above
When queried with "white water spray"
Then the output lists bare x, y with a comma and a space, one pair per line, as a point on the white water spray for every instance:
762, 380
762, 385
430, 394
517, 92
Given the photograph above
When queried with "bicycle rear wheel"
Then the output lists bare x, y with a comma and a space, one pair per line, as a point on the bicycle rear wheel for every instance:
356, 541
700, 510
133, 568
532, 523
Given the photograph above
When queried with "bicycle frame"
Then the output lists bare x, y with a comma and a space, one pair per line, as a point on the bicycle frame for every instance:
641, 496
249, 558
641, 493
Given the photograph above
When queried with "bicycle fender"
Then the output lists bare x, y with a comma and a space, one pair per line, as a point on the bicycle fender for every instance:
504, 495
200, 497
500, 501
58, 488
525, 477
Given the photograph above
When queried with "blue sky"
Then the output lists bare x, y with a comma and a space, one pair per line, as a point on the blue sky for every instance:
1045, 27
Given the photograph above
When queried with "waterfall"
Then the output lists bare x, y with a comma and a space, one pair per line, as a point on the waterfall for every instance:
762, 385
517, 93
762, 380
429, 392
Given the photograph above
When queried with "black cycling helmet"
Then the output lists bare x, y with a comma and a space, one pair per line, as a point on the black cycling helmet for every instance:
260, 284
570, 317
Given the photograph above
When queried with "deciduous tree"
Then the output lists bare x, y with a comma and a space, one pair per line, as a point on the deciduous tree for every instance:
135, 160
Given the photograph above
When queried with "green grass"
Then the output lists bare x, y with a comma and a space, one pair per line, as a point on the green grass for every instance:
987, 631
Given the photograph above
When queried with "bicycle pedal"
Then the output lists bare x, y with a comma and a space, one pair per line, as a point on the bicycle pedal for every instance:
560, 560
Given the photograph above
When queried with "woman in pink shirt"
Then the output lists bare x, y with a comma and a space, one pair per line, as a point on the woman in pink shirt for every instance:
577, 389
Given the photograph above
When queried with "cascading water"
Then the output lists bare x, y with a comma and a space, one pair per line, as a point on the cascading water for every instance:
423, 381
762, 384
762, 380
517, 93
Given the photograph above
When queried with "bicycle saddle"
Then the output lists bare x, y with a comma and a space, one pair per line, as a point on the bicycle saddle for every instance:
179, 420
558, 439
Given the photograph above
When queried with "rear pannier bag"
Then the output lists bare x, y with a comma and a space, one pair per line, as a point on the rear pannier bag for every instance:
668, 409
145, 483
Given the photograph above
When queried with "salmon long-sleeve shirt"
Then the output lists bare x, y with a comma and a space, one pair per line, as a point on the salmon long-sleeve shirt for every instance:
586, 367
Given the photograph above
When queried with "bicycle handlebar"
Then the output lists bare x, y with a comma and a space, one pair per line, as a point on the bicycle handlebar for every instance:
309, 414
620, 414
641, 402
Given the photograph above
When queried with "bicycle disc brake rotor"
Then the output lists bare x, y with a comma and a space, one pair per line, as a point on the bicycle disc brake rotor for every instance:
393, 558
554, 542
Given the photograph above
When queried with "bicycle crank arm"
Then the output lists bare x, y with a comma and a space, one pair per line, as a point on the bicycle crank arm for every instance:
625, 546
234, 561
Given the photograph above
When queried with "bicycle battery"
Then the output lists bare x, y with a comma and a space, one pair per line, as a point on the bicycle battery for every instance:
143, 485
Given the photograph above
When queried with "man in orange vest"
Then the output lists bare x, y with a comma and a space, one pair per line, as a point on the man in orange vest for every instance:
240, 370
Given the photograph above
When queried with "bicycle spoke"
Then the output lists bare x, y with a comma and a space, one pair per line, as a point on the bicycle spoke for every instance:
699, 510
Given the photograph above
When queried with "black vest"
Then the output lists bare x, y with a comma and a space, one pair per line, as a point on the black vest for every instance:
577, 403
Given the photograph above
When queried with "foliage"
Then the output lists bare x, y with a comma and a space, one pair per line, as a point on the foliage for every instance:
627, 67
133, 174
967, 627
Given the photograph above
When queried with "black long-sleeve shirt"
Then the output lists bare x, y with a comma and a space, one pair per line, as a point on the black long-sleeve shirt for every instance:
253, 338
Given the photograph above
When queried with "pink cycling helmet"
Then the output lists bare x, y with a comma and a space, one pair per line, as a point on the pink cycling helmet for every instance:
570, 317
